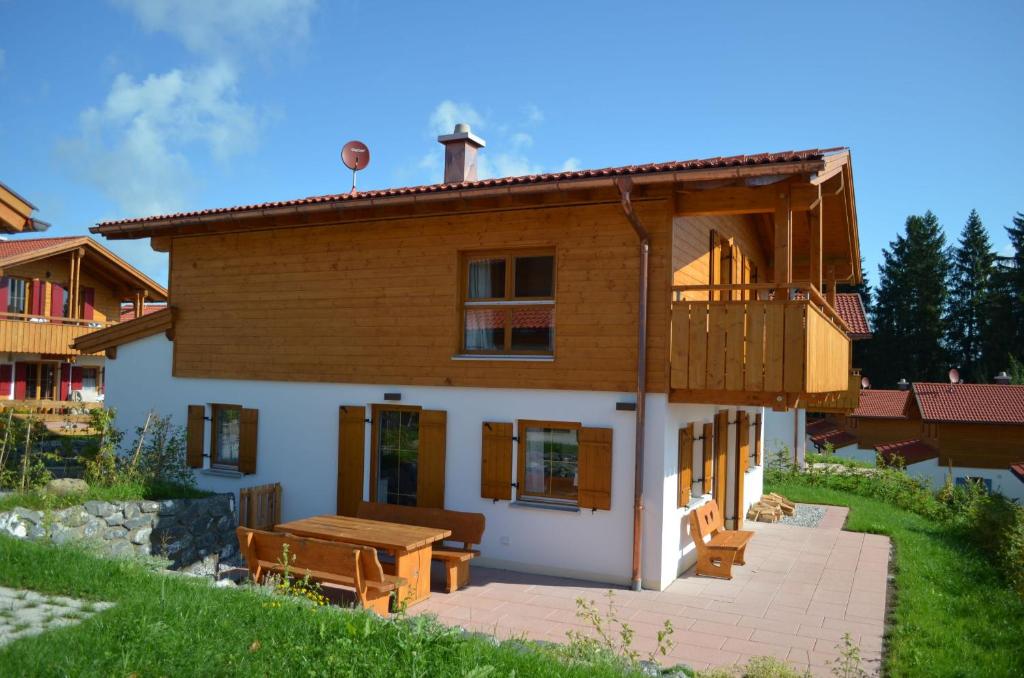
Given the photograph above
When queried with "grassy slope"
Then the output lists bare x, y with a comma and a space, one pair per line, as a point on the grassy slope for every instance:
173, 626
953, 616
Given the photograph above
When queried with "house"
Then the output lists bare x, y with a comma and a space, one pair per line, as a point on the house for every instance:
972, 431
789, 431
52, 291
582, 356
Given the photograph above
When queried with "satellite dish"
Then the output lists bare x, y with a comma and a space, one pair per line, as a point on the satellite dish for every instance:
954, 376
355, 155
865, 383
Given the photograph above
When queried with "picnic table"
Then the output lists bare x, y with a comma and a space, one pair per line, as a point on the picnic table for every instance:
411, 545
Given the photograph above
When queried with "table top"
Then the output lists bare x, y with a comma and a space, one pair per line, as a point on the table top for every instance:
376, 533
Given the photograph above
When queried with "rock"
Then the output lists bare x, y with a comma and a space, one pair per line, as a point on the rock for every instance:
30, 516
93, 528
99, 508
224, 583
139, 521
12, 524
74, 517
140, 535
115, 519
121, 548
131, 511
115, 533
168, 507
149, 506
65, 486
36, 532
63, 534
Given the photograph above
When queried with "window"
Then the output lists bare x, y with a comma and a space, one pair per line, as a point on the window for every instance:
17, 295
986, 483
225, 436
41, 381
549, 461
398, 446
509, 303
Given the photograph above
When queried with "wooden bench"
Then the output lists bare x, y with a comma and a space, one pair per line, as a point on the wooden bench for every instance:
355, 567
716, 557
467, 528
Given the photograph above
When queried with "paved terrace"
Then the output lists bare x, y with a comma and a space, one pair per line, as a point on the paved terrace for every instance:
801, 589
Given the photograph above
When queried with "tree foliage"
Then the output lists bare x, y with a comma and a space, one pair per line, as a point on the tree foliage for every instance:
968, 317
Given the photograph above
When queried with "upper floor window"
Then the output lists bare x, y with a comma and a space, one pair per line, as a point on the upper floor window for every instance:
509, 303
17, 295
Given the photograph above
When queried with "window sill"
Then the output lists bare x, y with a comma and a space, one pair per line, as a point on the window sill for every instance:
505, 357
221, 472
544, 506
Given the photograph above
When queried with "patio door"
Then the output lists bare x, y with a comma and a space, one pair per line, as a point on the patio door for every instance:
395, 458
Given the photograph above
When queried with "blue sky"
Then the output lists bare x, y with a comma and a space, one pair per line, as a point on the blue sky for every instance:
129, 107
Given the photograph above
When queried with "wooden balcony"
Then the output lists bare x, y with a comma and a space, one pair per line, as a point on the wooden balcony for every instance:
838, 402
22, 333
753, 349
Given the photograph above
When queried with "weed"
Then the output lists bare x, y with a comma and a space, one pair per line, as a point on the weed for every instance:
613, 636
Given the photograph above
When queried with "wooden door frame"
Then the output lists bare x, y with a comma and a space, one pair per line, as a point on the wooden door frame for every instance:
375, 409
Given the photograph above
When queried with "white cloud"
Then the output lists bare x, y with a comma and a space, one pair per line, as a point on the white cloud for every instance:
131, 147
534, 115
521, 140
222, 26
571, 164
448, 112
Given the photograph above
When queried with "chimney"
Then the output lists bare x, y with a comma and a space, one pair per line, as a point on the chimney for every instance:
460, 154
903, 385
1002, 378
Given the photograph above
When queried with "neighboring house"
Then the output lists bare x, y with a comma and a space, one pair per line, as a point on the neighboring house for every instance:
474, 345
789, 431
972, 431
52, 291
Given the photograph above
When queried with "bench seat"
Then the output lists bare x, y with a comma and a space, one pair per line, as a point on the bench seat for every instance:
723, 548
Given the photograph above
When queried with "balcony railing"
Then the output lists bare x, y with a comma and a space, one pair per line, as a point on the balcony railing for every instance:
24, 333
839, 402
753, 347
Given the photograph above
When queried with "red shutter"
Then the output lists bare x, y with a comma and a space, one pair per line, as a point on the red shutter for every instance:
88, 302
6, 380
36, 306
76, 378
65, 380
5, 296
20, 373
56, 301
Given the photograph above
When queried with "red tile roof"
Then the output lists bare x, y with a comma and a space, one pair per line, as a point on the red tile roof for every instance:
836, 438
1018, 470
970, 403
819, 426
882, 404
128, 310
651, 168
850, 308
522, 318
20, 246
911, 451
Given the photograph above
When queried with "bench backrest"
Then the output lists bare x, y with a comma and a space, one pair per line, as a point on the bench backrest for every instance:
360, 563
466, 527
705, 521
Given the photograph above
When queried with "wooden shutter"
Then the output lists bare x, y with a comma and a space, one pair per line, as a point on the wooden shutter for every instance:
194, 435
685, 464
36, 302
496, 461
721, 458
757, 439
6, 380
64, 372
88, 302
248, 426
5, 296
76, 378
595, 468
351, 456
56, 301
742, 460
708, 440
430, 467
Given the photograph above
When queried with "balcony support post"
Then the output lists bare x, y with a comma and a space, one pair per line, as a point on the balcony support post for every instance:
832, 286
783, 261
816, 222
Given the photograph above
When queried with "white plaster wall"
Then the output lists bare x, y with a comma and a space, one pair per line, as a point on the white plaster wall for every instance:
857, 454
779, 433
674, 547
298, 437
1003, 481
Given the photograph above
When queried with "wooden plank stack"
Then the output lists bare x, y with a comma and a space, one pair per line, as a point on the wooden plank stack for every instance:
770, 508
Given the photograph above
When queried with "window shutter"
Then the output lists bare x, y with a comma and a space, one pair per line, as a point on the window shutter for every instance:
88, 303
685, 464
351, 455
721, 458
56, 301
20, 377
595, 468
5, 294
248, 427
742, 461
194, 436
76, 378
496, 461
708, 438
37, 297
430, 468
6, 380
757, 439
64, 371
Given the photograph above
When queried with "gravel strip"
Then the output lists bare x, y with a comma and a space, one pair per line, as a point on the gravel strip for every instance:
806, 516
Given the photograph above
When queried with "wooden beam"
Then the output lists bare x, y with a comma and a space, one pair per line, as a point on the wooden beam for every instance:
782, 263
832, 286
160, 244
815, 220
743, 199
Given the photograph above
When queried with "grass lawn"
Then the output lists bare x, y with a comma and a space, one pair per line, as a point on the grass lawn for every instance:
38, 500
953, 615
163, 625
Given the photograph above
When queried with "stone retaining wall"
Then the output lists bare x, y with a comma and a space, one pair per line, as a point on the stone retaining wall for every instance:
185, 531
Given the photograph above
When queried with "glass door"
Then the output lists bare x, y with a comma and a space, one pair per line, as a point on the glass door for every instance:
396, 449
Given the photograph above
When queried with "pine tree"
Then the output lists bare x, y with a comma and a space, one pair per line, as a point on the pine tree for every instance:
862, 348
968, 318
1004, 343
907, 314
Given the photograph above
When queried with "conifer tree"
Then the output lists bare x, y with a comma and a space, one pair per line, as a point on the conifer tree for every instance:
862, 354
1003, 344
908, 305
968, 316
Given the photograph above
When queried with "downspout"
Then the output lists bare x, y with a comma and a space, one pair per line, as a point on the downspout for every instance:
625, 185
